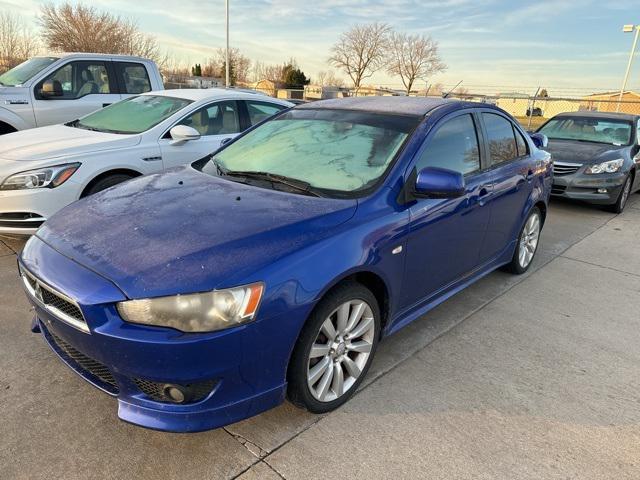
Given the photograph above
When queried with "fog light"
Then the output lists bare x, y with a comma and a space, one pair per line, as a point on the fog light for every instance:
174, 393
602, 190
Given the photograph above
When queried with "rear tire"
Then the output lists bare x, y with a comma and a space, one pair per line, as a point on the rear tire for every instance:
335, 349
106, 182
527, 245
625, 193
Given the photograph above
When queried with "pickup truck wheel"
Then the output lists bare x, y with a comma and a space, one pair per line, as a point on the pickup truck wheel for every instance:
106, 182
6, 128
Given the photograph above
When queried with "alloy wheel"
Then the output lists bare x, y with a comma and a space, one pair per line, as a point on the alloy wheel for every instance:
529, 240
341, 350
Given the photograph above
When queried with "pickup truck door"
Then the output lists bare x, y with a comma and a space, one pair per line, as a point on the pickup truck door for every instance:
87, 85
215, 122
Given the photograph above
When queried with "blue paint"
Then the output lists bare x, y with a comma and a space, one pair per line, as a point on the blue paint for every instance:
184, 231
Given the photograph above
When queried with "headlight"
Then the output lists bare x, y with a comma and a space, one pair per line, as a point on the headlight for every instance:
198, 312
46, 177
612, 166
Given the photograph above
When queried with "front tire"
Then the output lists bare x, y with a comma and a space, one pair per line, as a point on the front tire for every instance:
618, 207
335, 349
528, 242
106, 182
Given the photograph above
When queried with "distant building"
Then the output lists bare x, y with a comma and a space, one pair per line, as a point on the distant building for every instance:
265, 86
290, 93
608, 102
323, 92
183, 81
371, 91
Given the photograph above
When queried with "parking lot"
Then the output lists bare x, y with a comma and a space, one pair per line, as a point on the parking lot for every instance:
516, 377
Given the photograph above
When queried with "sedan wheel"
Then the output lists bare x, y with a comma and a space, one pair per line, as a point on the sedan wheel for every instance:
335, 349
341, 350
529, 240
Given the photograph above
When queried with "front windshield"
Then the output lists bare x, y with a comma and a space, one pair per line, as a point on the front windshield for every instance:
23, 72
331, 150
589, 129
132, 115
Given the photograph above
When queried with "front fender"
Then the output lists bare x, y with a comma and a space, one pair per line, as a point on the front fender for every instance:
12, 119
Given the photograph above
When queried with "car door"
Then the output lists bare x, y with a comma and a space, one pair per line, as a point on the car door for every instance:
513, 172
215, 122
86, 86
446, 235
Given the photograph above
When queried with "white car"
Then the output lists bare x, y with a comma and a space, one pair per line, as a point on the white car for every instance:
45, 169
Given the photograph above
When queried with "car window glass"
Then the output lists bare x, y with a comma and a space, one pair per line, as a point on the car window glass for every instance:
133, 78
221, 118
500, 138
521, 143
454, 146
79, 79
589, 129
259, 111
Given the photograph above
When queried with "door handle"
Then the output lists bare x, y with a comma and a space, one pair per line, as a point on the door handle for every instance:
484, 194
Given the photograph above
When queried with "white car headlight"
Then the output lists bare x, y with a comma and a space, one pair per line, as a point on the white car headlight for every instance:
611, 166
45, 177
198, 312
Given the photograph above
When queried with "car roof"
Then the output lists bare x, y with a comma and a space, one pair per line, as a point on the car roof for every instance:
197, 94
590, 114
417, 106
95, 55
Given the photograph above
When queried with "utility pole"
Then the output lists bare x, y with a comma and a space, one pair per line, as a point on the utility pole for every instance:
226, 64
628, 29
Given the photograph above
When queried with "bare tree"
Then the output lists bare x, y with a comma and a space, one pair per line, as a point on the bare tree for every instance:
413, 57
240, 65
82, 28
360, 51
329, 78
17, 43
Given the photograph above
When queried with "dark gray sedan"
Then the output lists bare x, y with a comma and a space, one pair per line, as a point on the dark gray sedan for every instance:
595, 155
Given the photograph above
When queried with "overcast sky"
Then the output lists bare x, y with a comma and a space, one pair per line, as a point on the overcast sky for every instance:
497, 45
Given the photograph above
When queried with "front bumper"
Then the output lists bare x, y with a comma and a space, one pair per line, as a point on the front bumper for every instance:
245, 366
23, 211
580, 186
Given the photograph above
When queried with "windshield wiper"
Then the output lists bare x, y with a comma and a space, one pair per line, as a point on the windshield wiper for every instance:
299, 185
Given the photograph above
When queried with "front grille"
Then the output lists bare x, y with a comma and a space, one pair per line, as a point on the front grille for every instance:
155, 390
58, 304
560, 168
97, 372
20, 220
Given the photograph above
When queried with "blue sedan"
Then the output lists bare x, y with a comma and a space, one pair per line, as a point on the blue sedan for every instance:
272, 268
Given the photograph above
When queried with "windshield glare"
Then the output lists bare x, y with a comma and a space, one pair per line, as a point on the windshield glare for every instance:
597, 130
132, 115
330, 150
23, 72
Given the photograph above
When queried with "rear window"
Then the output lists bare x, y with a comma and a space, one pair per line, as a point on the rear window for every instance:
133, 77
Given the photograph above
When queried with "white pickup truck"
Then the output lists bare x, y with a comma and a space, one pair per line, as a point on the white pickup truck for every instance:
60, 88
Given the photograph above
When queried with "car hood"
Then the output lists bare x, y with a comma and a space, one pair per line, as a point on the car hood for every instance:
581, 152
184, 231
57, 141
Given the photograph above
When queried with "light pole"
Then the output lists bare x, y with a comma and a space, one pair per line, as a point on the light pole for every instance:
226, 64
628, 29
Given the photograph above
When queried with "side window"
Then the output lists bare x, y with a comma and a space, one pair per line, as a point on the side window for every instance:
502, 143
79, 79
453, 146
220, 118
133, 77
521, 143
259, 111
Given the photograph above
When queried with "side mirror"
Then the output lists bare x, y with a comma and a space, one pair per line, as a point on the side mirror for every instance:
540, 140
225, 141
439, 183
51, 88
181, 134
